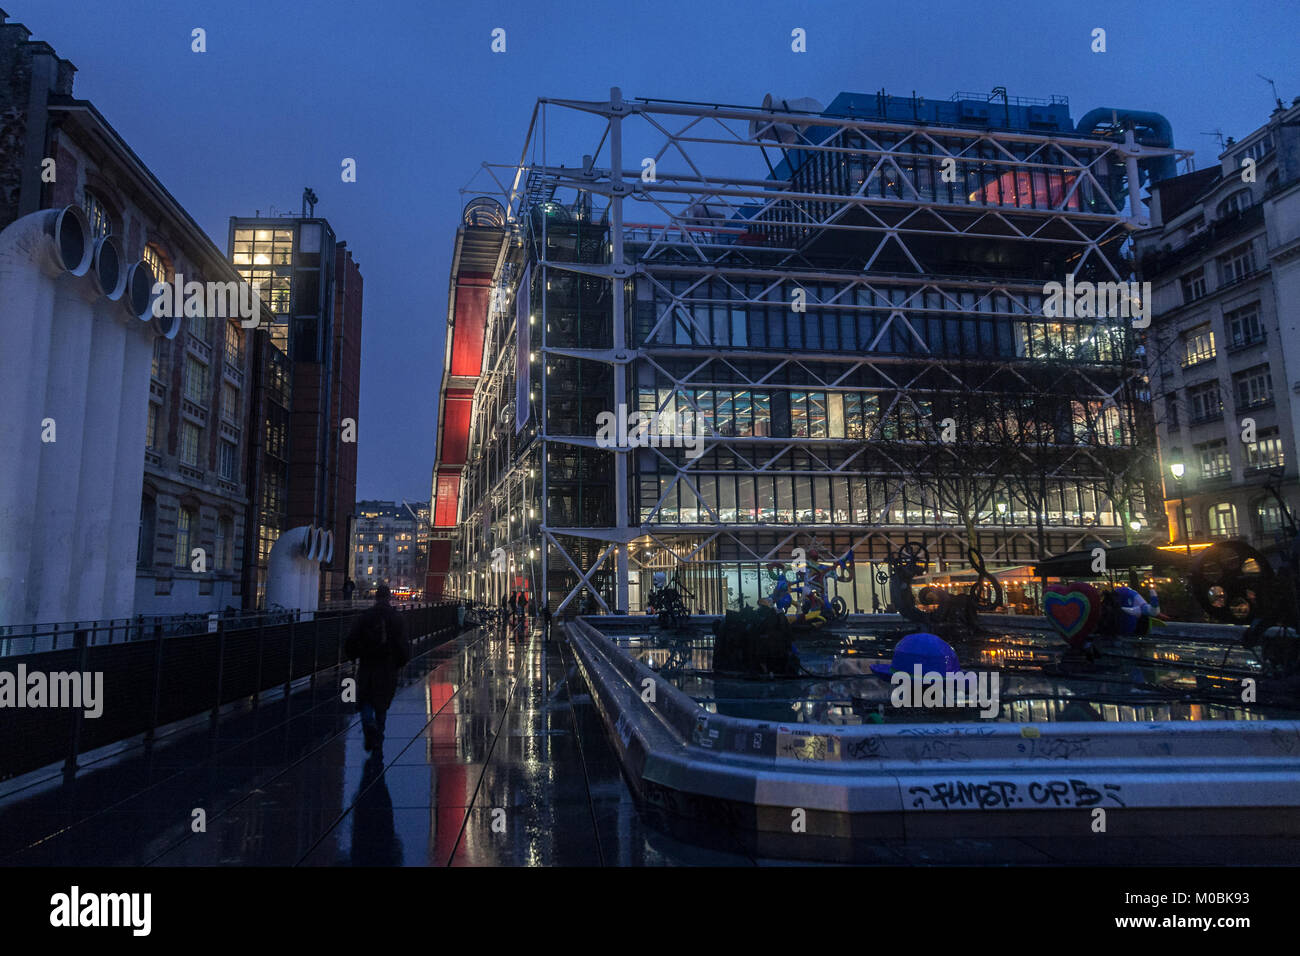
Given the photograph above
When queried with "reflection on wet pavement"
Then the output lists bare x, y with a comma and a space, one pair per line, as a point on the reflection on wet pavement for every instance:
493, 757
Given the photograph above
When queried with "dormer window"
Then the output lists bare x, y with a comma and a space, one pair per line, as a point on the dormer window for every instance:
1235, 203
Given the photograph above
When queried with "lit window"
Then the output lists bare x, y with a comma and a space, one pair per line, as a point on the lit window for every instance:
153, 258
1223, 520
1199, 345
184, 537
1265, 451
151, 431
101, 221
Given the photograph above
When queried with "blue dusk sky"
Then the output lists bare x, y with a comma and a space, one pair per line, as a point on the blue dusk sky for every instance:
412, 91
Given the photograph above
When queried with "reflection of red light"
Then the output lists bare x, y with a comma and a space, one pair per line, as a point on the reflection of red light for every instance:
1013, 189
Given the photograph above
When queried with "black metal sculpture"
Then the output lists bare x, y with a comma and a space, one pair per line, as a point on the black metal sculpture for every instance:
955, 615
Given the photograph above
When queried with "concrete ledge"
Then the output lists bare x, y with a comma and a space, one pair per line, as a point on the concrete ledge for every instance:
908, 780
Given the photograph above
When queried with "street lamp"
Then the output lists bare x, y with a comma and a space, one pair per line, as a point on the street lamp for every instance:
1178, 470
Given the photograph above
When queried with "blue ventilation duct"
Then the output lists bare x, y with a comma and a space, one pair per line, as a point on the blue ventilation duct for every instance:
1149, 129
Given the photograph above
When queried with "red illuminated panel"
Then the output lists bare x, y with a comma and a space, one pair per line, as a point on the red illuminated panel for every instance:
444, 513
439, 564
1023, 188
455, 428
471, 319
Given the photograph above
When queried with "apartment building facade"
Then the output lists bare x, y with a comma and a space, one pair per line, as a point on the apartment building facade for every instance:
1223, 255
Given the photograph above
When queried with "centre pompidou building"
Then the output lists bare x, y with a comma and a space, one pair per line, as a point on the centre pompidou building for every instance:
843, 303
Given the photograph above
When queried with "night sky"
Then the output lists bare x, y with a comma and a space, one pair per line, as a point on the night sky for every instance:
409, 88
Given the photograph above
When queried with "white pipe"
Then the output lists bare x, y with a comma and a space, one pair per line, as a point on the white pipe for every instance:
55, 556
100, 451
292, 574
34, 251
310, 554
128, 476
94, 548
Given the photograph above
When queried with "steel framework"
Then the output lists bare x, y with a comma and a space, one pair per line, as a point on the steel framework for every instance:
815, 291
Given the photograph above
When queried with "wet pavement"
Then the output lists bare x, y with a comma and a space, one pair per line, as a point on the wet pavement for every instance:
493, 756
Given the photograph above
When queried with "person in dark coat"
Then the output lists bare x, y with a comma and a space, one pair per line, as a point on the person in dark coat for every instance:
378, 640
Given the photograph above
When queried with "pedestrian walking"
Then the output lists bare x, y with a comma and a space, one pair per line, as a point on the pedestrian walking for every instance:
377, 640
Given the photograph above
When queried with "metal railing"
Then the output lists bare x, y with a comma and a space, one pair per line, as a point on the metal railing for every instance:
140, 683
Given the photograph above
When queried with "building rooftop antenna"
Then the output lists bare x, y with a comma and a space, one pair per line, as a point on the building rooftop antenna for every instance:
1277, 99
1217, 134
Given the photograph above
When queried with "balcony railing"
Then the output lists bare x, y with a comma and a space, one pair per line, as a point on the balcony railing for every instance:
1238, 345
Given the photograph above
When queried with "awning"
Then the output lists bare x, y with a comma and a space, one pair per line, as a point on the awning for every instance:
1079, 564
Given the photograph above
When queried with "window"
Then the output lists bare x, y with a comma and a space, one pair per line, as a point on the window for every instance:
229, 403
196, 380
1253, 387
185, 522
227, 459
1198, 345
1223, 520
1265, 451
1244, 326
1171, 411
1193, 286
1213, 457
225, 543
265, 256
159, 367
144, 546
190, 444
101, 220
157, 264
200, 328
234, 346
1206, 402
1235, 203
1268, 515
151, 429
1256, 150
1237, 264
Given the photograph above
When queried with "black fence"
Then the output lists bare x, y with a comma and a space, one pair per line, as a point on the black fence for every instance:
149, 683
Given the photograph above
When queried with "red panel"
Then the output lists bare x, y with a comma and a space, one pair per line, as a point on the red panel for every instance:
455, 430
467, 337
439, 564
444, 514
